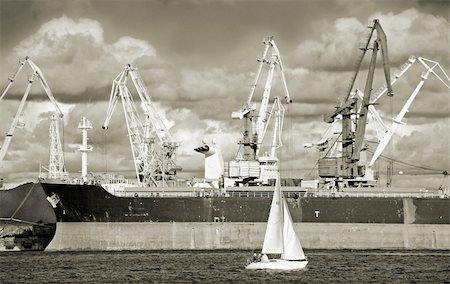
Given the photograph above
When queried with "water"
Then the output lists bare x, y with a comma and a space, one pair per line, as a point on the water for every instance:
330, 266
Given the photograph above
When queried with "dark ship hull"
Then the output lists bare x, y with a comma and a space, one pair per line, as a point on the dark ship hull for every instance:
27, 221
89, 217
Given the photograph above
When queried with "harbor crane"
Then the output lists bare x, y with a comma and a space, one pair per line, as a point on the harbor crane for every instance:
249, 164
56, 168
328, 145
380, 127
348, 166
152, 145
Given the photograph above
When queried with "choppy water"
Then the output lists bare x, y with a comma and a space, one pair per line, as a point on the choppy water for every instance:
331, 266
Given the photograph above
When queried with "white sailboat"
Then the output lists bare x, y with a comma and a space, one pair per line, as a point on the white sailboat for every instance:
280, 238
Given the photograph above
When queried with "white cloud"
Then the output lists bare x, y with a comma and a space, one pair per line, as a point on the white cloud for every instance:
408, 32
128, 49
75, 57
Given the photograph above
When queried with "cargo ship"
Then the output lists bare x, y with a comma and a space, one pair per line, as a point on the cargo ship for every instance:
91, 217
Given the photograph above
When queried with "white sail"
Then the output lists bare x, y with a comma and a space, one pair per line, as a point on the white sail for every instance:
292, 247
273, 240
280, 238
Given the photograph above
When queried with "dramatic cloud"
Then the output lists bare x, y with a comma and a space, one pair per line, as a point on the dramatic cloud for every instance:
408, 32
74, 56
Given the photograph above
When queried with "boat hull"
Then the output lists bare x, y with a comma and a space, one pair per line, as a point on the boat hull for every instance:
27, 221
92, 203
278, 264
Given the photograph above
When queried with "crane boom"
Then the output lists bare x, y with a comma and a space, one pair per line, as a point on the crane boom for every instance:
258, 72
287, 96
12, 78
382, 41
397, 121
44, 84
362, 120
379, 43
160, 128
359, 60
13, 126
405, 67
262, 116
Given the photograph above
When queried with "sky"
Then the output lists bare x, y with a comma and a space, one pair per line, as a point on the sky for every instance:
198, 60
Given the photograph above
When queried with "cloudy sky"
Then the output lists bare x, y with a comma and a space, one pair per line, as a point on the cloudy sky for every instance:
198, 60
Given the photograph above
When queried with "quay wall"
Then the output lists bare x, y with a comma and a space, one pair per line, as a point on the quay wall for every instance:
73, 236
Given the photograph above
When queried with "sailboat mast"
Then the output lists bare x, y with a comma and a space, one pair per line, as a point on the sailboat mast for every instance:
278, 187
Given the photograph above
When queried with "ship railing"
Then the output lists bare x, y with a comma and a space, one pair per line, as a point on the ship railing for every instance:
155, 194
261, 194
379, 194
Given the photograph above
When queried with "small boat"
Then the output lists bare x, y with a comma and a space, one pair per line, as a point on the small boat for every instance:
280, 239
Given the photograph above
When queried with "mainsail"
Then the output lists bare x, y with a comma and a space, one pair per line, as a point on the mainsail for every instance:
273, 240
280, 236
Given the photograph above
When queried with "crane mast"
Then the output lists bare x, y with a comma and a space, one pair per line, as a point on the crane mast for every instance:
249, 164
154, 162
56, 167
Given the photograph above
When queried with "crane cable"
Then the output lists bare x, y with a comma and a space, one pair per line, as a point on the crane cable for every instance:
444, 172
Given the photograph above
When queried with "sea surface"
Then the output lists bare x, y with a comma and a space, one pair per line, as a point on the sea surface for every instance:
325, 266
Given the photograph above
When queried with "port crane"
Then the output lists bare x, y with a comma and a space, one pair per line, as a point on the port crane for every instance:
249, 164
354, 120
56, 168
152, 145
327, 170
374, 117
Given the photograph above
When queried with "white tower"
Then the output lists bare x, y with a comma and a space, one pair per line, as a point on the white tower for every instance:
84, 125
56, 168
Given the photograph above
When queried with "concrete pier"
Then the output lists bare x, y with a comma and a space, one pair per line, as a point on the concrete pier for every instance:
235, 235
